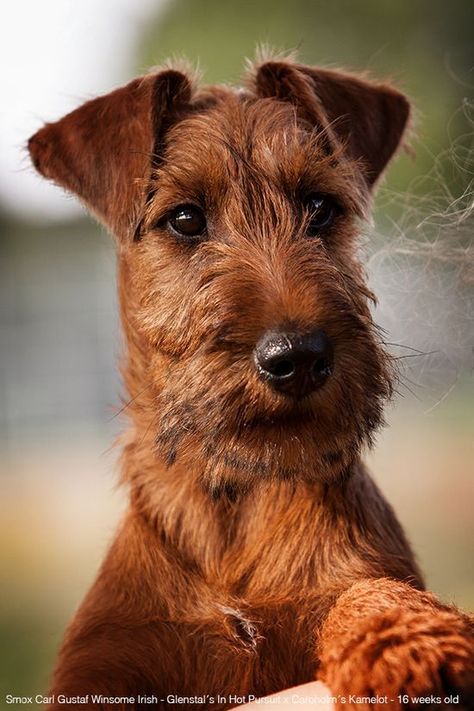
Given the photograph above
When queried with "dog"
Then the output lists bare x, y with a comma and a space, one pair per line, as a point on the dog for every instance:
256, 553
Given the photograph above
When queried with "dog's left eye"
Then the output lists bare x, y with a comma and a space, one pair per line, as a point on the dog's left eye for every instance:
322, 210
187, 221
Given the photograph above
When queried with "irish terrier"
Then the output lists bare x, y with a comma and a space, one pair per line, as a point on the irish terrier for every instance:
257, 553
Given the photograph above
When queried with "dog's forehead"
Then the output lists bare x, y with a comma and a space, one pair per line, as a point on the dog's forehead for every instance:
243, 137
241, 129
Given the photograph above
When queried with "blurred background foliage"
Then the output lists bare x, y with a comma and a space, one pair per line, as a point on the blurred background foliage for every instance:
59, 386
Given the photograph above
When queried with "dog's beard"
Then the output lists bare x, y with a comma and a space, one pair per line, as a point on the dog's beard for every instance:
233, 440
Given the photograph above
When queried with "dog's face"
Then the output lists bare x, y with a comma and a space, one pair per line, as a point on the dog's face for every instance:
243, 300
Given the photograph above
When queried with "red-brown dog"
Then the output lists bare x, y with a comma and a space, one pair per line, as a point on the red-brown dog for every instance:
256, 553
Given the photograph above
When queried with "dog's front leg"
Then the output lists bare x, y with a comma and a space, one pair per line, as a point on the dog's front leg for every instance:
386, 644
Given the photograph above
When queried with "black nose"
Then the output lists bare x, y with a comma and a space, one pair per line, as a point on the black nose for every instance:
294, 363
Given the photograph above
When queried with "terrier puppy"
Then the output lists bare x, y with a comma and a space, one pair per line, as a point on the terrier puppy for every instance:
257, 553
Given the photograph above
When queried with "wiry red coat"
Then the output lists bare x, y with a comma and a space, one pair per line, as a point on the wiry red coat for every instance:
256, 553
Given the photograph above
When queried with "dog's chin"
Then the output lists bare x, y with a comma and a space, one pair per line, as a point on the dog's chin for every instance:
231, 462
237, 448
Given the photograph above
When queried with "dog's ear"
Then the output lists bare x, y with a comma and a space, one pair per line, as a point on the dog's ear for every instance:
368, 118
104, 150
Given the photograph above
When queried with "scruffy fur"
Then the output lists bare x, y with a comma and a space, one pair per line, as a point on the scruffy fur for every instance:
256, 553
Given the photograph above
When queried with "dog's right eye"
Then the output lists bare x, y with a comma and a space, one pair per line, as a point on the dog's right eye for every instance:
187, 221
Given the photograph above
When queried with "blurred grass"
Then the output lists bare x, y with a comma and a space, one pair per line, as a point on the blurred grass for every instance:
30, 642
424, 464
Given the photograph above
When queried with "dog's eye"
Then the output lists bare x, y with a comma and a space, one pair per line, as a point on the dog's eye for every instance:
187, 221
322, 210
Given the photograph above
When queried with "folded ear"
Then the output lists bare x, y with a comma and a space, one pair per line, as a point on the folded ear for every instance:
368, 118
104, 151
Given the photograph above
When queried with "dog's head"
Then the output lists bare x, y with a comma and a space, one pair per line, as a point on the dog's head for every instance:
237, 214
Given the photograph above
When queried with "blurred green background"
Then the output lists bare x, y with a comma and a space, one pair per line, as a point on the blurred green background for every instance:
59, 387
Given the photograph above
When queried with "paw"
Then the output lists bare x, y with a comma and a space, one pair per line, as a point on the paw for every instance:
406, 659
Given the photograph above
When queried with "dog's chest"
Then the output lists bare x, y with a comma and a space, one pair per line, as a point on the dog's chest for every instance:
267, 630
251, 649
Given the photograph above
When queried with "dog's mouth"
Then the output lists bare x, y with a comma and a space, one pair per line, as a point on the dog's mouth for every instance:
284, 419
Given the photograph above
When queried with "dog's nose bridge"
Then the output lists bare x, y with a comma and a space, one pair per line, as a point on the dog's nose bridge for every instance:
270, 283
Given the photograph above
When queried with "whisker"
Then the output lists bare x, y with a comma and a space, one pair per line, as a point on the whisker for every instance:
402, 345
414, 355
130, 402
